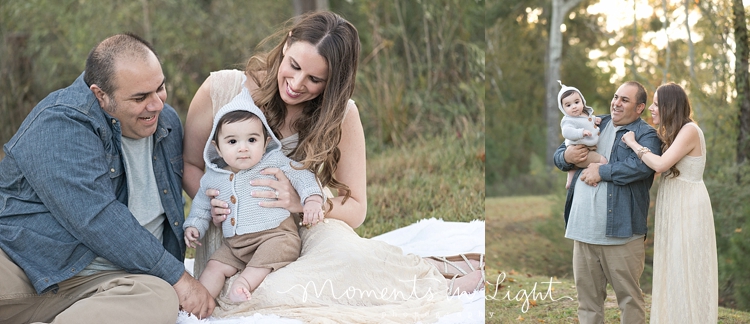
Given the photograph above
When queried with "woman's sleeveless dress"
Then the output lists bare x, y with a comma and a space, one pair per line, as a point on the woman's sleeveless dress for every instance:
339, 277
685, 283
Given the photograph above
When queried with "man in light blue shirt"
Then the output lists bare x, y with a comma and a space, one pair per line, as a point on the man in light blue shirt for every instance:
91, 206
606, 210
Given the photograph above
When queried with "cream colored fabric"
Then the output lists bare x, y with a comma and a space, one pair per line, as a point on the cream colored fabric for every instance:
341, 277
685, 283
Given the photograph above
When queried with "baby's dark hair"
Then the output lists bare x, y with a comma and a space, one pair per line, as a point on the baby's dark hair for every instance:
233, 117
567, 94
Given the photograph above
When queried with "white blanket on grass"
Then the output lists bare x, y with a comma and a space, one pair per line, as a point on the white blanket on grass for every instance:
425, 238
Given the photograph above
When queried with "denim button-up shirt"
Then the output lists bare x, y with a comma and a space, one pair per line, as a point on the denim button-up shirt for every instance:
64, 195
630, 180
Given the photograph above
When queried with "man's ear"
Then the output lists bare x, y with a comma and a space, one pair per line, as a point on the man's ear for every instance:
100, 95
640, 108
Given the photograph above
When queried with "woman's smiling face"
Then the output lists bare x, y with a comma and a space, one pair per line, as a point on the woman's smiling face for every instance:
654, 109
302, 74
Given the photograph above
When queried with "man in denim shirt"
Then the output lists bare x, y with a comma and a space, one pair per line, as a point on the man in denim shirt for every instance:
607, 208
91, 200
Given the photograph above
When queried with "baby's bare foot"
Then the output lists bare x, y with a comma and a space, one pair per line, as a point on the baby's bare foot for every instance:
239, 294
240, 291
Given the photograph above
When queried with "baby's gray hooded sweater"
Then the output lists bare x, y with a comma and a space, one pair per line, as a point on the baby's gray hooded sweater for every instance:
247, 216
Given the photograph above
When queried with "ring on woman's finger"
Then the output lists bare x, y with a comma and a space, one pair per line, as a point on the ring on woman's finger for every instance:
276, 192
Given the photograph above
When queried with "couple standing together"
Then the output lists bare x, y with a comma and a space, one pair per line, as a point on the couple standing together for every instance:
607, 204
91, 208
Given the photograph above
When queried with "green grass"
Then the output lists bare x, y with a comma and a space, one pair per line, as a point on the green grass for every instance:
522, 235
526, 247
440, 177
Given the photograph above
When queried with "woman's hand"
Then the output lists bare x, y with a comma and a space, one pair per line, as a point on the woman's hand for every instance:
286, 196
629, 139
219, 208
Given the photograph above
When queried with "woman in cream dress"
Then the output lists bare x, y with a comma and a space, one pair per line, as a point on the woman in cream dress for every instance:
686, 278
304, 86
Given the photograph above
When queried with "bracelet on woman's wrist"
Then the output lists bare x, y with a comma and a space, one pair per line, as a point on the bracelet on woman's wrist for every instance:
643, 150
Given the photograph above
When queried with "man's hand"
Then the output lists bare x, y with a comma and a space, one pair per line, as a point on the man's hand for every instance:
575, 154
590, 175
193, 297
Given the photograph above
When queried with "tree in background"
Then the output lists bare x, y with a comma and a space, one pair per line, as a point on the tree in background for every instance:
560, 8
742, 77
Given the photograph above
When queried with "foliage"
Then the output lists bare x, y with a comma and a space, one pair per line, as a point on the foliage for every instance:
516, 44
418, 49
515, 85
421, 70
730, 200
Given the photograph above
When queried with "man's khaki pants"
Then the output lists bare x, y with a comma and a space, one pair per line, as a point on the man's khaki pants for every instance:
619, 265
106, 297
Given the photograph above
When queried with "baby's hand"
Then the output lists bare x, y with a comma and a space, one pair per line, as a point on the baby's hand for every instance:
312, 212
191, 236
586, 133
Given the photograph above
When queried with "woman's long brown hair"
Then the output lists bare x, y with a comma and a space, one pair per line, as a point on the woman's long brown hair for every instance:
319, 125
674, 112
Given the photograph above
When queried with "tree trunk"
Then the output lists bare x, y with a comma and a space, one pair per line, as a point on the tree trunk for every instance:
146, 22
691, 47
559, 9
694, 84
742, 77
636, 40
665, 76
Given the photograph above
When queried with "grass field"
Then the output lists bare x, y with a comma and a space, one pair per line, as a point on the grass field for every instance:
528, 266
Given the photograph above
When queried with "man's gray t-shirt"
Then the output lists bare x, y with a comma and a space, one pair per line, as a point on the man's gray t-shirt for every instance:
587, 222
143, 194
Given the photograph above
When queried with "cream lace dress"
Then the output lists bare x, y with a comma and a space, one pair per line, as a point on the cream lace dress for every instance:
685, 283
339, 277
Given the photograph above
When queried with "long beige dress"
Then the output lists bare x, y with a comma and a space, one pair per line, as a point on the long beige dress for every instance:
339, 277
685, 283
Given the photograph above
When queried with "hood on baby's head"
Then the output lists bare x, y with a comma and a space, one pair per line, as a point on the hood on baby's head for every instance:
242, 102
565, 89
